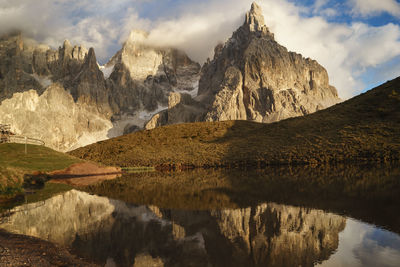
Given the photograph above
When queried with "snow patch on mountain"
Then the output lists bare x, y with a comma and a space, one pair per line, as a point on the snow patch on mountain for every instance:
107, 70
125, 122
45, 81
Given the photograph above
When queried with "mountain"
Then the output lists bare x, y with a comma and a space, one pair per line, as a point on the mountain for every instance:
57, 95
252, 77
363, 129
63, 97
141, 79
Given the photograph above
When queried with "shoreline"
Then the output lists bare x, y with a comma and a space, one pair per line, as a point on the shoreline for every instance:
19, 250
264, 165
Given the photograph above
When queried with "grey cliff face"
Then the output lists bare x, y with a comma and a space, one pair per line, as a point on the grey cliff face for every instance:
89, 85
254, 78
16, 67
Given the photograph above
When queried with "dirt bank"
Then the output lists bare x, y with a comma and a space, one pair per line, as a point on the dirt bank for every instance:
85, 173
18, 250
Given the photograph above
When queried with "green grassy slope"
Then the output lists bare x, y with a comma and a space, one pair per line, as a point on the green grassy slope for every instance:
38, 158
14, 163
363, 129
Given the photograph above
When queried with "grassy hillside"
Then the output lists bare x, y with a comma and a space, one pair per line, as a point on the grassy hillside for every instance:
363, 129
38, 158
14, 163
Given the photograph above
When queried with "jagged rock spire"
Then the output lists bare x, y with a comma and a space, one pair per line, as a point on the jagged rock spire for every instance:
255, 21
137, 37
91, 61
67, 44
255, 17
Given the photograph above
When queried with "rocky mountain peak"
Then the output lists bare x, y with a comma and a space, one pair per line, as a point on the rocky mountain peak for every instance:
67, 44
255, 23
140, 59
136, 37
255, 18
90, 60
67, 51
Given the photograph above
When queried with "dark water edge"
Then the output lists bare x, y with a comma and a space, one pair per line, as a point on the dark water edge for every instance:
286, 216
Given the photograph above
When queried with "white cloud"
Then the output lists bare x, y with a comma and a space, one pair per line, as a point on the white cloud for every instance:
321, 7
196, 34
92, 23
362, 244
374, 7
346, 51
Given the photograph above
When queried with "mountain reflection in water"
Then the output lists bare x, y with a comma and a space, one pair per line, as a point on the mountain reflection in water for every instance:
100, 228
268, 234
368, 193
208, 218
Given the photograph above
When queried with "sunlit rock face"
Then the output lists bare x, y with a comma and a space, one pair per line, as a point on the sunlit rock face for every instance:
58, 96
113, 231
252, 77
55, 117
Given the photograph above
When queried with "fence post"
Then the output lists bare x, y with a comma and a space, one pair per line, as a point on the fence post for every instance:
26, 147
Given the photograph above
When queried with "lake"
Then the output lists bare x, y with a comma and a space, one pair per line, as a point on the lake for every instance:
284, 216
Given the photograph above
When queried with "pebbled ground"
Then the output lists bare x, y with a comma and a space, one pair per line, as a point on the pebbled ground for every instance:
19, 250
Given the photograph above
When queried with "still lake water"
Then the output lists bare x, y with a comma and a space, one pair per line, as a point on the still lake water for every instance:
336, 216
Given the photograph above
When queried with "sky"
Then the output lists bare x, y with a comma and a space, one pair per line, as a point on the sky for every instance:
364, 245
357, 41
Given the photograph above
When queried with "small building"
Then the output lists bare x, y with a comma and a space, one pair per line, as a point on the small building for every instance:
5, 133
